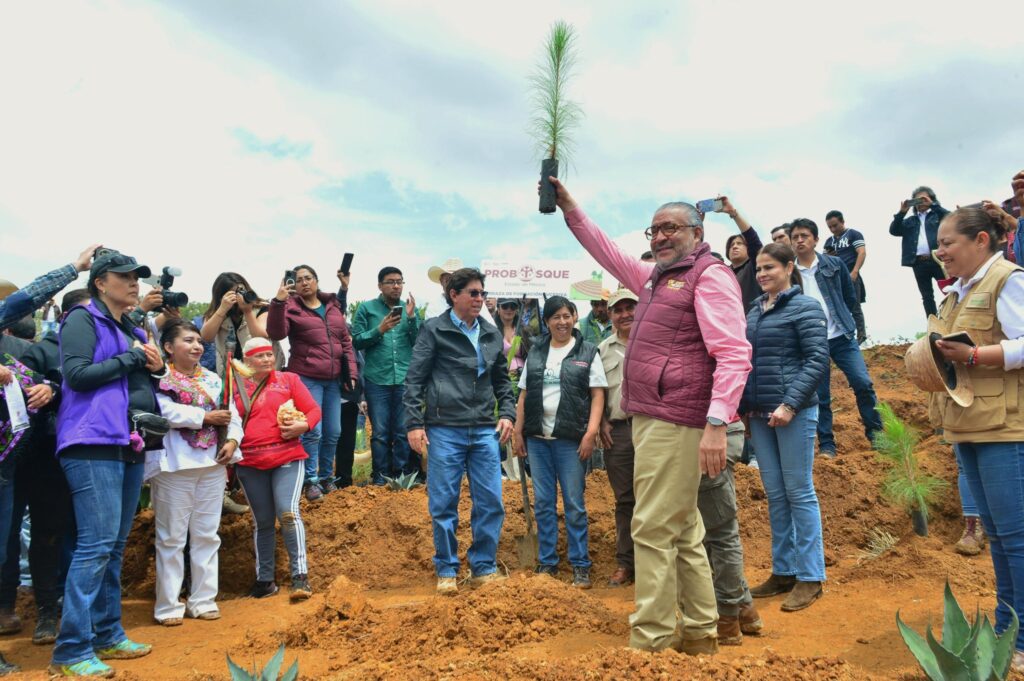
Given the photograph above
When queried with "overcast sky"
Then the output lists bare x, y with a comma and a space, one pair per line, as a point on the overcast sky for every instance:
251, 136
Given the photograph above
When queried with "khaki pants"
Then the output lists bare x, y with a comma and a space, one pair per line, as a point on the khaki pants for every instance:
672, 571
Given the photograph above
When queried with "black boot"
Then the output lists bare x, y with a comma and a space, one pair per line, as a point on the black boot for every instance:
46, 627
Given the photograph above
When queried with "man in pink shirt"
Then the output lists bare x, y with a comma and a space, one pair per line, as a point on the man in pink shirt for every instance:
684, 372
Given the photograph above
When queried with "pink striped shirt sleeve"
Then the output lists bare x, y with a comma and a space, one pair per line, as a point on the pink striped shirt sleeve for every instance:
724, 329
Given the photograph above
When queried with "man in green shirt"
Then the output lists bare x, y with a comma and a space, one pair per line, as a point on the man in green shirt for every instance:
596, 326
386, 331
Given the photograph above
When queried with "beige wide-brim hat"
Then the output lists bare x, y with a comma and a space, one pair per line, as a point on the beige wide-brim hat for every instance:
930, 371
449, 266
6, 288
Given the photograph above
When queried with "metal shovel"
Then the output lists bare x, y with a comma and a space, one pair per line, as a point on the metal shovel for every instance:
526, 545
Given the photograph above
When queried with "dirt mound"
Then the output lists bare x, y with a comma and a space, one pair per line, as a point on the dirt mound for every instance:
494, 618
612, 664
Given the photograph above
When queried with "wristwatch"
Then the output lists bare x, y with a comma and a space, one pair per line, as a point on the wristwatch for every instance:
716, 422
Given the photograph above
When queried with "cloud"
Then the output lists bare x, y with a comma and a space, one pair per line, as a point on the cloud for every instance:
278, 148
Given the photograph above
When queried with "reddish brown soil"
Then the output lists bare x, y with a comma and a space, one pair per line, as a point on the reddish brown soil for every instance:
375, 616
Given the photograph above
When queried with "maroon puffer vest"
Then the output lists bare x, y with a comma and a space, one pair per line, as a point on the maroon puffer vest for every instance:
668, 372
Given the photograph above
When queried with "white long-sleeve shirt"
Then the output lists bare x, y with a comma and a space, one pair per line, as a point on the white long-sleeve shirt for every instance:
1009, 311
177, 453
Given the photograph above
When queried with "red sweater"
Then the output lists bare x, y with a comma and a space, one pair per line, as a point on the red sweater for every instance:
262, 445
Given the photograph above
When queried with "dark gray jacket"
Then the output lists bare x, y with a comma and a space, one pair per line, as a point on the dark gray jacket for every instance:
442, 387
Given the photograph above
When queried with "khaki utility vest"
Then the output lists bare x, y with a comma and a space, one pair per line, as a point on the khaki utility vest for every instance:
995, 415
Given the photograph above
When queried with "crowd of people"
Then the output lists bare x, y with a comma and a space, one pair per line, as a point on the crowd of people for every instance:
696, 363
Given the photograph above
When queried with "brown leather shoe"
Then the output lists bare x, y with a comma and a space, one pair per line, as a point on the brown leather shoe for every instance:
621, 577
972, 541
10, 623
802, 595
773, 586
729, 633
701, 646
750, 621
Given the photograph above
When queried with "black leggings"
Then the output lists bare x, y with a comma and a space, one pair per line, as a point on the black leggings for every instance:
344, 454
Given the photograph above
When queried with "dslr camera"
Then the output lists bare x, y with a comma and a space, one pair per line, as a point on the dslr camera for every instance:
172, 299
248, 296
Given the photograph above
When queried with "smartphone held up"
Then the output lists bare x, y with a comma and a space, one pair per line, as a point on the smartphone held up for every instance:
706, 206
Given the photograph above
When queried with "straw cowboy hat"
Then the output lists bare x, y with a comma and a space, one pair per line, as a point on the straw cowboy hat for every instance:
930, 371
6, 288
449, 266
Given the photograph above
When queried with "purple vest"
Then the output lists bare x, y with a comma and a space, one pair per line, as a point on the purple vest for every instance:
100, 416
668, 373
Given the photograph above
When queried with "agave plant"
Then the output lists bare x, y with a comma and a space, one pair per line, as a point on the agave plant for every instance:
402, 482
555, 117
968, 652
268, 673
905, 485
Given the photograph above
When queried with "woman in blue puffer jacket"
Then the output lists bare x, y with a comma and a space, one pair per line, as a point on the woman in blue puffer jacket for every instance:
787, 331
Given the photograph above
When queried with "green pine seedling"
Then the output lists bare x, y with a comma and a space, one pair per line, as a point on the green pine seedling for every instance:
268, 673
555, 117
905, 485
968, 652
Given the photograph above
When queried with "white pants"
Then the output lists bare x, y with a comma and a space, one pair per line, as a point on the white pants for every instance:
187, 504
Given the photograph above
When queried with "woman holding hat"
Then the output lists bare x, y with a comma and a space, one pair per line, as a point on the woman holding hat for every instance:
108, 368
986, 301
276, 409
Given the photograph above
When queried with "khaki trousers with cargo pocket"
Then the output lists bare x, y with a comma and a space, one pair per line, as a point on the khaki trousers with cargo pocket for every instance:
673, 575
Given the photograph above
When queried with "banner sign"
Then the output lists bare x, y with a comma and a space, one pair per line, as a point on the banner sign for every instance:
536, 277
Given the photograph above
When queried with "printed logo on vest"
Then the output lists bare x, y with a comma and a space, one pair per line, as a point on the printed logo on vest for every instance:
675, 284
980, 300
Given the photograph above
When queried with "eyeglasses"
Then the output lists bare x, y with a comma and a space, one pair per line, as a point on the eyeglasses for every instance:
667, 229
800, 237
393, 282
303, 280
476, 293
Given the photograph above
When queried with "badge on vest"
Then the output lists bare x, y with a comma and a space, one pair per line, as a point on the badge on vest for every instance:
580, 363
675, 284
980, 300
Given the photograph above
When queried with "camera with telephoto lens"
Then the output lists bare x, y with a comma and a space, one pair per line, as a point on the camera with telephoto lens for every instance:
172, 299
248, 296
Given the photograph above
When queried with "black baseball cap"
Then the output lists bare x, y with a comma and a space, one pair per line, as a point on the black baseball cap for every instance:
113, 261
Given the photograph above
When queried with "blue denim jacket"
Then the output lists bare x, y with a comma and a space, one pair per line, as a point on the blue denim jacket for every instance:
1018, 243
837, 288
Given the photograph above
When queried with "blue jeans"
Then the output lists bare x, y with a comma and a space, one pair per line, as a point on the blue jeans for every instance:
967, 504
105, 495
556, 462
454, 452
846, 354
995, 474
390, 446
321, 442
786, 457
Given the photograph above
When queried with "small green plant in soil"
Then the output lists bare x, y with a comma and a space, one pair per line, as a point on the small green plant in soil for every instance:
905, 484
968, 652
268, 673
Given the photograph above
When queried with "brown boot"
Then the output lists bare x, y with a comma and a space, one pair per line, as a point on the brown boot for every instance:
621, 577
750, 621
729, 633
774, 585
10, 623
701, 646
972, 541
802, 595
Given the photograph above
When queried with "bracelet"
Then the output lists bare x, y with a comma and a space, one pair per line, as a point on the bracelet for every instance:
973, 359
